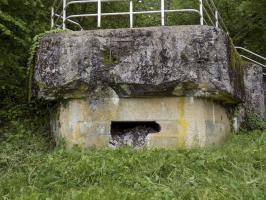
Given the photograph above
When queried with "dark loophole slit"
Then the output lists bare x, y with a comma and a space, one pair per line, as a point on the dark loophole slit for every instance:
132, 133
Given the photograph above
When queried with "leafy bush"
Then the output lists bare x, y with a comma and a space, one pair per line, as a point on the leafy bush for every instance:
254, 122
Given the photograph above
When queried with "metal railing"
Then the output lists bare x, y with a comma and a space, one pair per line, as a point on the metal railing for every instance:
255, 55
207, 11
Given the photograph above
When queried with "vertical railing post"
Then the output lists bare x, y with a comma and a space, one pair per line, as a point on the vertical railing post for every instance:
216, 19
64, 14
201, 13
52, 17
162, 13
99, 14
131, 14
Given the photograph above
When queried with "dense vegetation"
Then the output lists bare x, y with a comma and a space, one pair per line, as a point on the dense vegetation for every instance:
29, 169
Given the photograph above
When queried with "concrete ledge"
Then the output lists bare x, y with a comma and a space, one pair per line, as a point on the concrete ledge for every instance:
159, 61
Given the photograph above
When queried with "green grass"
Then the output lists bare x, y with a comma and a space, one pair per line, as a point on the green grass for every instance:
29, 169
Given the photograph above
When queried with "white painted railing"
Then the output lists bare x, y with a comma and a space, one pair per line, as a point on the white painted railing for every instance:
207, 11
260, 60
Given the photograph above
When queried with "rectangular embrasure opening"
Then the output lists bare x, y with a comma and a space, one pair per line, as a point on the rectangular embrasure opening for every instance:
132, 133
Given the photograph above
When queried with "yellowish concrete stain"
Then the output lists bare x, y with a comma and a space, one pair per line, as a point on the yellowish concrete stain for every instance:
183, 124
183, 132
76, 134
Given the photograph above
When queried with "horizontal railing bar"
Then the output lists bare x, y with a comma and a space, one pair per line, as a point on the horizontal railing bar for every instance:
136, 12
254, 61
251, 52
168, 11
94, 1
90, 1
95, 15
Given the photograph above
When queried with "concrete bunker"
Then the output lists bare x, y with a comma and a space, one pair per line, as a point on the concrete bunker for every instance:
183, 78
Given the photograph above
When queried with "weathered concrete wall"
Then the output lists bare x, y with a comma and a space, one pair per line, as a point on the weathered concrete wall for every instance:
254, 100
254, 91
185, 122
164, 61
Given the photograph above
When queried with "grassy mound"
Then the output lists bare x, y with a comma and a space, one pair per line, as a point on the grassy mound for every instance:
29, 169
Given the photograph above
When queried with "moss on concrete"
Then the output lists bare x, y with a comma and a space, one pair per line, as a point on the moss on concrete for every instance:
237, 70
108, 58
222, 97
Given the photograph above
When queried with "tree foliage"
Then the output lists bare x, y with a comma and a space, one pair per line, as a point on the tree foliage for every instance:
246, 21
20, 21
